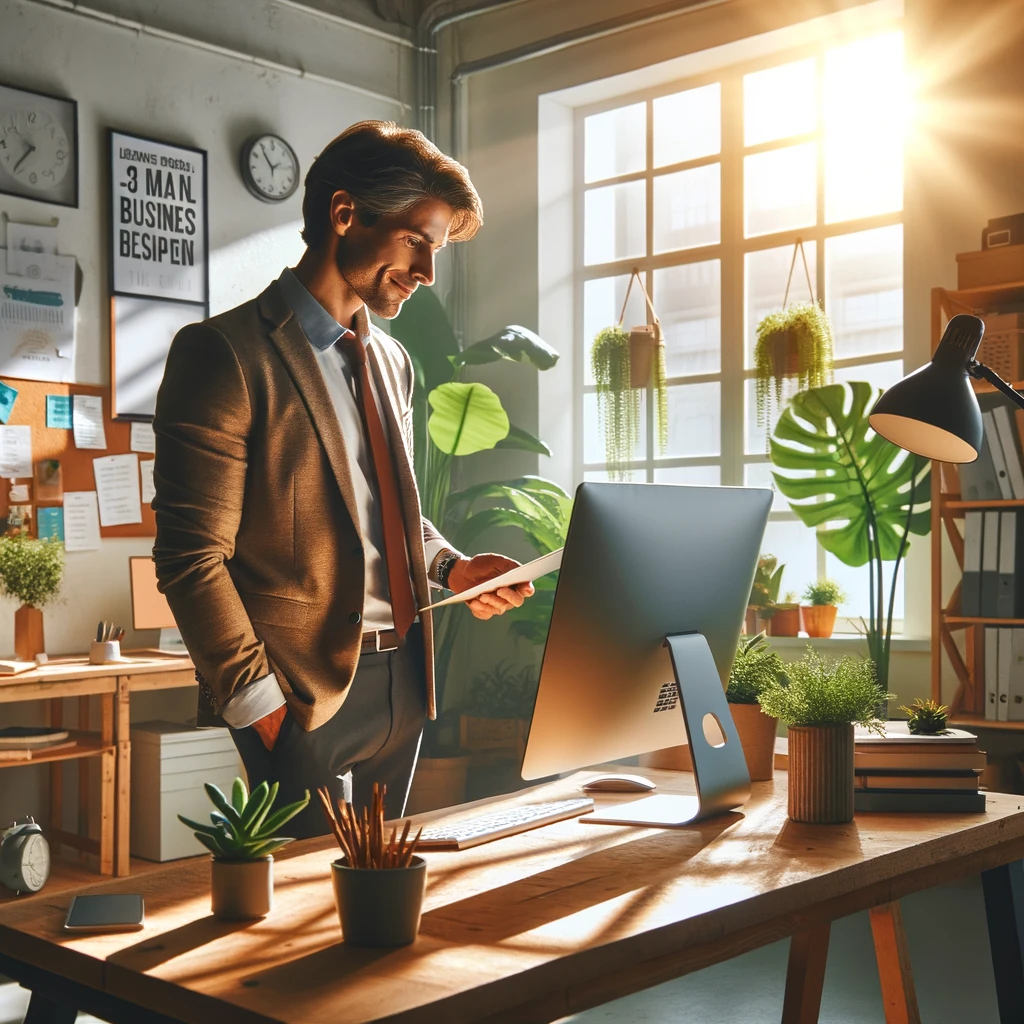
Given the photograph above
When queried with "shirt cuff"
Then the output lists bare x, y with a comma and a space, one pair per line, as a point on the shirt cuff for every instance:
431, 549
253, 701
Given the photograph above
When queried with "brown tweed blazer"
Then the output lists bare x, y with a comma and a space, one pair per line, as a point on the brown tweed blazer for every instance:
258, 548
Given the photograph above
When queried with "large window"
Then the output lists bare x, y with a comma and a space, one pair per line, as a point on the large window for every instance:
705, 186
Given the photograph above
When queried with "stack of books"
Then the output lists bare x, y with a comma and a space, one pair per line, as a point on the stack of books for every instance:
899, 771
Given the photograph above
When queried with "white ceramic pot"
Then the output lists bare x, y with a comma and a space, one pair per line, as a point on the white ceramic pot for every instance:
241, 890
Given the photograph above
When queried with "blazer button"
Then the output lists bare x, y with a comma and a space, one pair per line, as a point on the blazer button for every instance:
354, 618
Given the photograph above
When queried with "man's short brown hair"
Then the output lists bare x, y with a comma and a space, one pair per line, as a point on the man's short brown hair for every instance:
387, 169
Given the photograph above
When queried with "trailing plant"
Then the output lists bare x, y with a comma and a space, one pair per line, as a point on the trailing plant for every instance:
824, 592
926, 717
243, 828
862, 494
618, 402
767, 579
504, 692
754, 667
31, 570
826, 691
801, 330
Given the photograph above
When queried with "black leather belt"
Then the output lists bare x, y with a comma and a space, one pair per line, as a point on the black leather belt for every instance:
380, 640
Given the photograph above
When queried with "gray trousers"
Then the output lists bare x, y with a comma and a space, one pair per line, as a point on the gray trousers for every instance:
374, 737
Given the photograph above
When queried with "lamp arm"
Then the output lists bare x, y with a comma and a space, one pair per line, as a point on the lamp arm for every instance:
979, 371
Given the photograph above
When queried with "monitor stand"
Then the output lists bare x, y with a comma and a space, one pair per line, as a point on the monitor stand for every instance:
171, 642
719, 767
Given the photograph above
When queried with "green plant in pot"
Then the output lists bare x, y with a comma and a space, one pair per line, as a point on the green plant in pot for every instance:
820, 701
754, 667
242, 836
32, 572
785, 616
501, 702
823, 598
926, 717
862, 494
764, 591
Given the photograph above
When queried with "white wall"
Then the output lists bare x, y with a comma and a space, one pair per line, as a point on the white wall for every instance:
142, 83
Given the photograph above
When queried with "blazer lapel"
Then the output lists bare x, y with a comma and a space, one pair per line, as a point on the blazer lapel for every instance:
297, 355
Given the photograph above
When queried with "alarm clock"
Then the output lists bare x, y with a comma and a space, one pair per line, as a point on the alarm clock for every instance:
270, 168
24, 857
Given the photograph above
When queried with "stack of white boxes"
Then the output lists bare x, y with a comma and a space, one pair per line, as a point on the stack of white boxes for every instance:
170, 763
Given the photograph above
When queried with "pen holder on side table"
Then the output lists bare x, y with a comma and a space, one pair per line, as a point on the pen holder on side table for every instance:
103, 652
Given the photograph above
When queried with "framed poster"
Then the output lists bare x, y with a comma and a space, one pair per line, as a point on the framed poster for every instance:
38, 146
158, 211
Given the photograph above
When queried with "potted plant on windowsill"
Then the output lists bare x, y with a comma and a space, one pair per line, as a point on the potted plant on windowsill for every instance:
242, 837
764, 592
822, 701
501, 705
785, 617
819, 614
31, 571
754, 667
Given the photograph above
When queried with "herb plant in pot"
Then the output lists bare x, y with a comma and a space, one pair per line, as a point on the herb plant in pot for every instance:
764, 592
754, 667
242, 837
785, 618
819, 614
31, 571
820, 703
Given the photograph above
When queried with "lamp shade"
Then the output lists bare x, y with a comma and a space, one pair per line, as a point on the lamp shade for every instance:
933, 411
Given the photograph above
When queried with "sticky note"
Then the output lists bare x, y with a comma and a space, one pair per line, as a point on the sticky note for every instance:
58, 411
50, 522
7, 397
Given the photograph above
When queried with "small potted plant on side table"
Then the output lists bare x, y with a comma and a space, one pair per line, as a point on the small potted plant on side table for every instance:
242, 837
926, 717
32, 572
823, 700
754, 667
819, 614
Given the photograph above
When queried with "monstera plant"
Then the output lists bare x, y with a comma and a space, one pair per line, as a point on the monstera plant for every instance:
862, 494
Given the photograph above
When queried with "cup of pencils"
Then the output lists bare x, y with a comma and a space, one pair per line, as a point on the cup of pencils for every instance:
106, 647
378, 883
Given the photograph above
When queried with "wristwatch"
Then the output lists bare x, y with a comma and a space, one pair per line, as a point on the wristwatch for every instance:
444, 567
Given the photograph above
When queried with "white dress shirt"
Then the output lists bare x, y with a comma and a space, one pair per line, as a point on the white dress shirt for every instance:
262, 696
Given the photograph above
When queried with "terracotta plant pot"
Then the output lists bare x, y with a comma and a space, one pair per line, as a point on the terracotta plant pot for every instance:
379, 908
28, 632
643, 348
241, 890
785, 354
821, 774
785, 622
757, 737
819, 619
750, 626
438, 782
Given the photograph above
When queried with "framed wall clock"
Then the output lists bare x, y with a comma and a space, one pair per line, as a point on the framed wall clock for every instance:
38, 146
270, 168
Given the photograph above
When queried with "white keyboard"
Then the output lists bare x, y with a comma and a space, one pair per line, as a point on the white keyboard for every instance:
497, 824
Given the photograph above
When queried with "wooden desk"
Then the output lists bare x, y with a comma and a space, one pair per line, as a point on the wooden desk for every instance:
73, 676
529, 928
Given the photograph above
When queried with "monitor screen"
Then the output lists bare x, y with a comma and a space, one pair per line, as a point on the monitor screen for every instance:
149, 607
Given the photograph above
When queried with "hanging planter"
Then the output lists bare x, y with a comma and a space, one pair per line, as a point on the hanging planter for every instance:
624, 363
794, 345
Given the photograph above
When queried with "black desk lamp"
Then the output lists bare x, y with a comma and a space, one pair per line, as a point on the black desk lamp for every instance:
933, 411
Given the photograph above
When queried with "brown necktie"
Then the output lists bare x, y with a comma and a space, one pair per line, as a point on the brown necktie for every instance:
403, 605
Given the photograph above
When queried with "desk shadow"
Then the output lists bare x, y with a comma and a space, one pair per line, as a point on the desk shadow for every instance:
529, 903
159, 949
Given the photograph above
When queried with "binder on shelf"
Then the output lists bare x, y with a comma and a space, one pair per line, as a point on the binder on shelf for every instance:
996, 448
970, 585
990, 565
1003, 682
1015, 710
978, 480
991, 672
1011, 450
1008, 603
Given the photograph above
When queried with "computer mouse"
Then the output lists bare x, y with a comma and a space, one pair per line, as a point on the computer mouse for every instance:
619, 784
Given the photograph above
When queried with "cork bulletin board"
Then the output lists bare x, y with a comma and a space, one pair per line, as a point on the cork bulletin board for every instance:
76, 463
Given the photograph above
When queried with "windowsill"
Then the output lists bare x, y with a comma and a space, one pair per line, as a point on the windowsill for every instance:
845, 641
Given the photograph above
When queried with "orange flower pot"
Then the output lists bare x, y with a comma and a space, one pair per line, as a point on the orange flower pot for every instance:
785, 622
819, 619
757, 737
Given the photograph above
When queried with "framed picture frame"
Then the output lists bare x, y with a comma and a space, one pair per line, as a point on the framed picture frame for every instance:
159, 230
38, 146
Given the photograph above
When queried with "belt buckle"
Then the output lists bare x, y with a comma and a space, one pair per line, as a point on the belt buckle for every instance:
376, 642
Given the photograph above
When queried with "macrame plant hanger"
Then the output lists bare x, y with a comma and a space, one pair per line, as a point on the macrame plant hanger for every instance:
644, 340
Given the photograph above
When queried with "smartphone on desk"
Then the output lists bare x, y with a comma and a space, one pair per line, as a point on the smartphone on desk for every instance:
107, 913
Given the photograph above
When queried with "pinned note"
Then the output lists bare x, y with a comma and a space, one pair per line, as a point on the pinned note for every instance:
142, 437
50, 522
15, 451
117, 489
58, 412
87, 421
81, 521
7, 397
148, 487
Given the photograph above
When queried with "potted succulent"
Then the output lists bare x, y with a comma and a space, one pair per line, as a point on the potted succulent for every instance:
820, 704
819, 614
785, 617
31, 571
242, 837
926, 717
764, 592
754, 667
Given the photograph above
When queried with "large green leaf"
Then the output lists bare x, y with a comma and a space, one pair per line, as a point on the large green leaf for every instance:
843, 475
514, 342
467, 418
523, 440
538, 532
424, 330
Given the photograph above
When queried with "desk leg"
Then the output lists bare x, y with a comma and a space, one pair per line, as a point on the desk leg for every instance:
122, 812
108, 782
84, 803
893, 956
55, 717
1004, 908
808, 952
43, 1010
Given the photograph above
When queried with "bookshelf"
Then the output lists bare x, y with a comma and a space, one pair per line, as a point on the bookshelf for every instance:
967, 707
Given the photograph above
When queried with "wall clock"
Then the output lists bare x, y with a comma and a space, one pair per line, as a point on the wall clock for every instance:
38, 146
270, 168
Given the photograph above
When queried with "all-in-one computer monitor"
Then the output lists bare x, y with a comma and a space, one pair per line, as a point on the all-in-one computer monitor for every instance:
648, 611
150, 609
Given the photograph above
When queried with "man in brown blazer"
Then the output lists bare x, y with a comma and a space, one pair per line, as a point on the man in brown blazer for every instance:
290, 542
